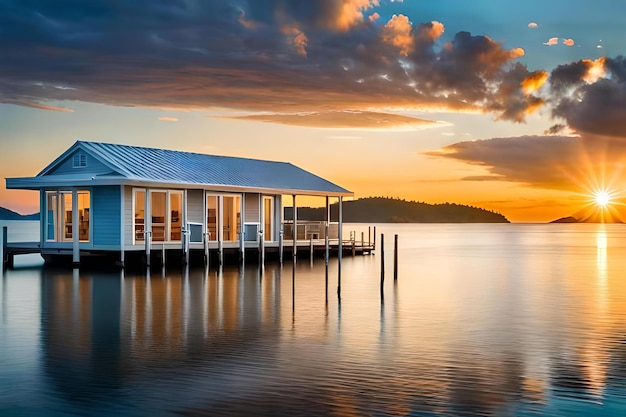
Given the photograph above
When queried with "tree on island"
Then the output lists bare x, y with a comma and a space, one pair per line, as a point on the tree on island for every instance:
396, 210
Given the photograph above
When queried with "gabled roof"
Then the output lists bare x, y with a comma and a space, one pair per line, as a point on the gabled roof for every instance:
134, 164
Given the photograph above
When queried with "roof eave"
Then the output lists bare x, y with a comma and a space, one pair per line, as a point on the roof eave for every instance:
35, 183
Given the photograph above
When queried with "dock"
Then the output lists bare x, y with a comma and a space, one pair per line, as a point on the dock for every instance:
156, 253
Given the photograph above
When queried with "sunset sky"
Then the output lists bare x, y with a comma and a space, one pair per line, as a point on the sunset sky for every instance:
517, 107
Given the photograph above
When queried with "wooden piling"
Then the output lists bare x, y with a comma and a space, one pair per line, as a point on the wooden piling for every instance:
327, 248
280, 242
395, 258
207, 236
185, 238
147, 239
382, 264
311, 250
5, 253
374, 245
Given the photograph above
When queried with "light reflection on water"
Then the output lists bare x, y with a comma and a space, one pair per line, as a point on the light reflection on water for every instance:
484, 320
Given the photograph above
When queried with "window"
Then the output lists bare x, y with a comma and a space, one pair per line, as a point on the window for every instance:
268, 216
212, 217
176, 214
231, 222
52, 208
158, 200
59, 217
139, 208
165, 212
80, 160
83, 215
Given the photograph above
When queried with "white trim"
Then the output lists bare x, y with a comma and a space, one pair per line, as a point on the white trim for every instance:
134, 191
122, 222
34, 183
75, 225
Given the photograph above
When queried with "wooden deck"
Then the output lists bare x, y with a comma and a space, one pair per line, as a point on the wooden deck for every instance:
11, 249
313, 248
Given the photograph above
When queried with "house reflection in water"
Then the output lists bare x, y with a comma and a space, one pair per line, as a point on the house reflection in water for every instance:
101, 330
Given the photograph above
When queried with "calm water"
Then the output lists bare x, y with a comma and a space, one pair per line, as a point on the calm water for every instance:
500, 320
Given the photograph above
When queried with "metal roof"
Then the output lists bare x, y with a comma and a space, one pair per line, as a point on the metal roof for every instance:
161, 166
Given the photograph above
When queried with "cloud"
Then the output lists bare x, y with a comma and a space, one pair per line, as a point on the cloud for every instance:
534, 81
591, 96
398, 33
168, 119
551, 162
41, 106
568, 42
355, 120
552, 42
533, 25
260, 56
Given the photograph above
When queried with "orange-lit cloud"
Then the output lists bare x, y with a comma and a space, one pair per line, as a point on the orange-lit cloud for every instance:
350, 13
397, 32
551, 162
168, 119
534, 81
248, 57
346, 120
533, 25
552, 42
40, 106
568, 42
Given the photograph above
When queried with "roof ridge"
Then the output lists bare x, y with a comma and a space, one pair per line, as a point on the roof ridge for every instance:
150, 148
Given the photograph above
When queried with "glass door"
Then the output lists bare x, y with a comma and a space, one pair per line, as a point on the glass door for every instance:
212, 217
158, 201
231, 221
268, 218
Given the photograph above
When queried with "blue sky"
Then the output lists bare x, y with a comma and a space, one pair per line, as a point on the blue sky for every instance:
513, 106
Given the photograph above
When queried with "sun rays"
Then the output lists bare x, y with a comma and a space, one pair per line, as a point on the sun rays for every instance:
599, 177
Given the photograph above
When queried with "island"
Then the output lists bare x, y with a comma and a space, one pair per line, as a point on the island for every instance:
6, 214
395, 210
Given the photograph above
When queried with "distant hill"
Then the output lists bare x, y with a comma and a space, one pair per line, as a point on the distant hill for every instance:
6, 214
591, 215
568, 219
389, 210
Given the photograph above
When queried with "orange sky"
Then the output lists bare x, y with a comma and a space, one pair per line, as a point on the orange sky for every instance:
510, 112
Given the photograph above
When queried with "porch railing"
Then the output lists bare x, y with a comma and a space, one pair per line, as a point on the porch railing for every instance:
311, 230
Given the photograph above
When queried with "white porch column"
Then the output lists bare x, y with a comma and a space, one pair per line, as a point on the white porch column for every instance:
122, 225
295, 229
327, 230
242, 244
261, 230
186, 235
340, 253
75, 234
220, 230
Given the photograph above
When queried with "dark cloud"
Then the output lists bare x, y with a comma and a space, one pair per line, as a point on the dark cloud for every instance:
591, 95
261, 55
554, 162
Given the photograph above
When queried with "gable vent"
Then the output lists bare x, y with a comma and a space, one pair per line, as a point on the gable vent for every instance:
80, 160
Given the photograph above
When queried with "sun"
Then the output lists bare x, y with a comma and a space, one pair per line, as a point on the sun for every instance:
602, 198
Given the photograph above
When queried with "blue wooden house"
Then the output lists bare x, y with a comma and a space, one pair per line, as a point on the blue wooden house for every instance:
106, 198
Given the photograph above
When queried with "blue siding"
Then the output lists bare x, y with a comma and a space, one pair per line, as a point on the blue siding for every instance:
94, 166
106, 215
